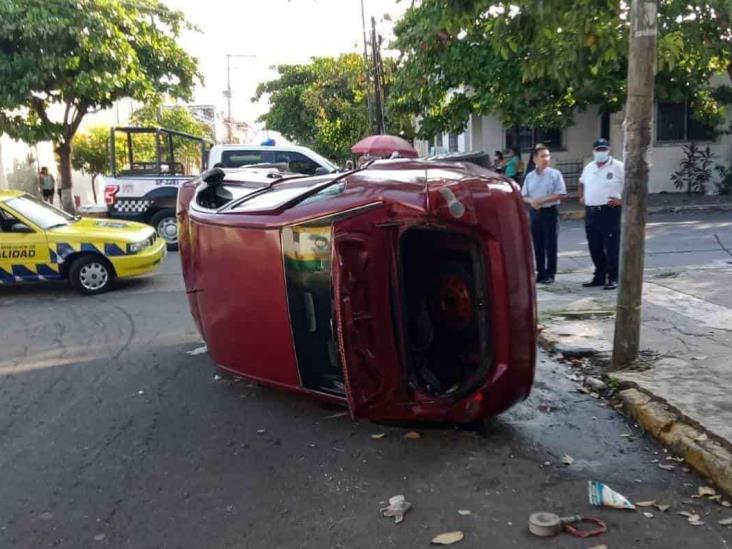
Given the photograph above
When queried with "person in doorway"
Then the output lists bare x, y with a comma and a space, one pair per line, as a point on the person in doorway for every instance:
510, 163
601, 191
47, 185
543, 190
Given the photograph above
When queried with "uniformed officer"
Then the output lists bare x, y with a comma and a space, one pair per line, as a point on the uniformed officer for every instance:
543, 189
601, 190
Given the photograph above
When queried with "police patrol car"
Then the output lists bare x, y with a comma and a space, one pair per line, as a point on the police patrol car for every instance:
148, 166
40, 242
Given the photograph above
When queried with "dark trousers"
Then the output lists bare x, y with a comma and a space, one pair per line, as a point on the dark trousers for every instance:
602, 226
544, 223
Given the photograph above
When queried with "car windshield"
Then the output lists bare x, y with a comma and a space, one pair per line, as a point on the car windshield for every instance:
39, 213
278, 195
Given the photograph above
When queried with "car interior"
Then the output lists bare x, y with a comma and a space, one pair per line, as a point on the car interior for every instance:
444, 311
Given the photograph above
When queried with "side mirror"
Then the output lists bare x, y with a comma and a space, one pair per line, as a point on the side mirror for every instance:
321, 171
20, 228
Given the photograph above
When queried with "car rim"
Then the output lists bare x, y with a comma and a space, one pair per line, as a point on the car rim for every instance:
168, 230
93, 276
455, 301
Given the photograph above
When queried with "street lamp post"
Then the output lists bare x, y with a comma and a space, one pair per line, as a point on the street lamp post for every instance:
227, 93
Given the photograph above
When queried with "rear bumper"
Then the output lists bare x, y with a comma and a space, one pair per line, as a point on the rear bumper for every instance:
141, 263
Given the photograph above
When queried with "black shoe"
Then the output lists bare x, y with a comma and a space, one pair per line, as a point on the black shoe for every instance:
547, 280
611, 285
540, 278
592, 283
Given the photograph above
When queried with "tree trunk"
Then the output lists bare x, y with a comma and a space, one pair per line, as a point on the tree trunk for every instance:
639, 111
94, 186
64, 153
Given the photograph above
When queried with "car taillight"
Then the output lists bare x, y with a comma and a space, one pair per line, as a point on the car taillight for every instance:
110, 193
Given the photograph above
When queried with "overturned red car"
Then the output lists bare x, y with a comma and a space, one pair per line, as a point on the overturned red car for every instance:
403, 290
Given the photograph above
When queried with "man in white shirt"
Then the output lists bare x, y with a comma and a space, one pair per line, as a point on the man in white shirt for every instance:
543, 189
601, 191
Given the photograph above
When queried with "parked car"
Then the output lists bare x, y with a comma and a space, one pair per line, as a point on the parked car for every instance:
39, 242
296, 159
148, 165
403, 290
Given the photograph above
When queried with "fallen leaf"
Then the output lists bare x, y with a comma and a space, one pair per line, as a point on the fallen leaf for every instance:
706, 491
694, 518
677, 460
645, 503
197, 351
715, 498
397, 507
702, 357
667, 467
725, 522
701, 438
625, 435
261, 431
567, 459
412, 435
448, 538
464, 512
696, 522
662, 507
726, 504
685, 514
603, 546
648, 515
378, 435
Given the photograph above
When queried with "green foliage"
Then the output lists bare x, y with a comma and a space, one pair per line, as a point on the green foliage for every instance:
323, 104
533, 62
90, 153
695, 171
724, 185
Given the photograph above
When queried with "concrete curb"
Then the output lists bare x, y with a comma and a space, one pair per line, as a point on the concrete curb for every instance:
580, 214
701, 450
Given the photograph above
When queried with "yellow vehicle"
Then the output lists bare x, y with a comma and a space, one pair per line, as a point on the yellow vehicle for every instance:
40, 242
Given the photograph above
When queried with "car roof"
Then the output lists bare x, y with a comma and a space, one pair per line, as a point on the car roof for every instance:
8, 194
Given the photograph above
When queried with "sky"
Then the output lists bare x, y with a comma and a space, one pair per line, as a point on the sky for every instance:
274, 32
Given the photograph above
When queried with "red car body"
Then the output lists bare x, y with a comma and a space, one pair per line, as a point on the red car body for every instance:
404, 290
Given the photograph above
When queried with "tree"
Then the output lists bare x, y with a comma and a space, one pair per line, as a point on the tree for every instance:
63, 59
90, 153
533, 62
323, 104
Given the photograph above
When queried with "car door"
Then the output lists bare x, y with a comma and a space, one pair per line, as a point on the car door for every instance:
366, 313
24, 256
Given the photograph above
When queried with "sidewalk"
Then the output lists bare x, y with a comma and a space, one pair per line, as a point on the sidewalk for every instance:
681, 389
659, 203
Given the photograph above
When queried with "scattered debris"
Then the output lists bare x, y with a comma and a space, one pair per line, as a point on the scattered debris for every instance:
549, 524
648, 515
448, 538
725, 503
412, 435
567, 459
626, 435
696, 522
464, 512
378, 435
339, 414
702, 357
217, 377
603, 496
140, 392
46, 516
686, 514
99, 537
701, 438
397, 507
603, 546
676, 459
662, 507
667, 467
197, 351
650, 503
596, 384
261, 431
725, 522
706, 491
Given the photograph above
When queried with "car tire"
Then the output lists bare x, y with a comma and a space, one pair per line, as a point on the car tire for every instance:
166, 225
91, 274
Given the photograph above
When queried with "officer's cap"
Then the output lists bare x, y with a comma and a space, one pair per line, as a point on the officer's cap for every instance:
601, 144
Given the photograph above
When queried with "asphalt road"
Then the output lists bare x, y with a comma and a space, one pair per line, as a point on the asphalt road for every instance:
672, 241
112, 436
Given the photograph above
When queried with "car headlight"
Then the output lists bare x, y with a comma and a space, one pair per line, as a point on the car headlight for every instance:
135, 247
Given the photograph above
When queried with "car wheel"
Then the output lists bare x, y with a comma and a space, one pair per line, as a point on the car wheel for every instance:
166, 226
91, 274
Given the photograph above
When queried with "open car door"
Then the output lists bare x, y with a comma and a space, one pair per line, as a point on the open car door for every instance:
365, 304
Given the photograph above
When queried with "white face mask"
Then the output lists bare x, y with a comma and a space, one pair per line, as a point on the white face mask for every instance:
601, 156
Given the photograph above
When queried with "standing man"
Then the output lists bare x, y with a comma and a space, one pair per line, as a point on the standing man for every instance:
543, 189
47, 185
601, 191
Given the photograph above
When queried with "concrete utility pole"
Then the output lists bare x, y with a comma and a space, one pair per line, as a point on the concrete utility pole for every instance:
638, 116
227, 94
366, 65
378, 81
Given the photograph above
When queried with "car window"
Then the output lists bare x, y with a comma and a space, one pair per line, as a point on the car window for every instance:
278, 195
6, 221
37, 212
235, 159
297, 162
